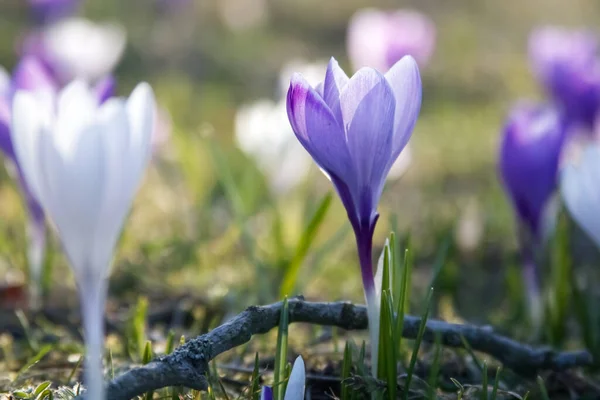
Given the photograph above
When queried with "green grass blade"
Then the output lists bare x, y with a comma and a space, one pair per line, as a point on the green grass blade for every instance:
543, 390
560, 283
417, 346
435, 367
31, 342
469, 350
387, 348
496, 383
308, 236
440, 259
346, 370
76, 368
408, 254
254, 386
170, 343
404, 288
147, 356
34, 360
281, 353
484, 383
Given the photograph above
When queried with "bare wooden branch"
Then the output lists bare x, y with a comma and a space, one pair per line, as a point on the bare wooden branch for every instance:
187, 365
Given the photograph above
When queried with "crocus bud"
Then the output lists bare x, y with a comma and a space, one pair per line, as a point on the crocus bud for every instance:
84, 162
580, 190
263, 132
566, 63
295, 385
379, 39
529, 157
355, 129
77, 48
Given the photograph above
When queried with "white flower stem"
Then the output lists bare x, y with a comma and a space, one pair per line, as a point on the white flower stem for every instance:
92, 313
36, 249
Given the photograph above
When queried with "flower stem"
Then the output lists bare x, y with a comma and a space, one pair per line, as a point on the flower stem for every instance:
92, 313
532, 288
36, 249
364, 243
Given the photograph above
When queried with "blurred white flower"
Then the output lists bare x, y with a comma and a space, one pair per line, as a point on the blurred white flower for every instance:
580, 190
262, 130
78, 48
84, 162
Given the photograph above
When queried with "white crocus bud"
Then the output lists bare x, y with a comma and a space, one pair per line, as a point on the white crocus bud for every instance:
84, 163
297, 381
81, 49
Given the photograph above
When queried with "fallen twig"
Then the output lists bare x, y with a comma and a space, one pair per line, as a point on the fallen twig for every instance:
187, 365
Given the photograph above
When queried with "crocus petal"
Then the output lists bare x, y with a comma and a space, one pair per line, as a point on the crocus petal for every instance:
6, 145
266, 393
26, 128
106, 88
580, 190
141, 109
316, 128
30, 74
405, 81
335, 80
77, 105
367, 107
297, 381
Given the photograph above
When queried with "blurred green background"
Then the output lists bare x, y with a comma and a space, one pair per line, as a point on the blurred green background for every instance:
204, 221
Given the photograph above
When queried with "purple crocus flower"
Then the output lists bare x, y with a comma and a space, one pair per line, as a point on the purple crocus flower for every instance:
46, 11
567, 65
529, 159
354, 129
378, 39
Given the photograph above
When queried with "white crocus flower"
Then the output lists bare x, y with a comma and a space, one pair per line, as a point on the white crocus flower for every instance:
295, 386
263, 132
84, 162
580, 190
81, 49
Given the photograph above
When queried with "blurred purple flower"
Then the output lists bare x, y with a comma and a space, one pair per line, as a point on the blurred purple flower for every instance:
355, 128
168, 6
529, 159
378, 39
566, 63
46, 11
